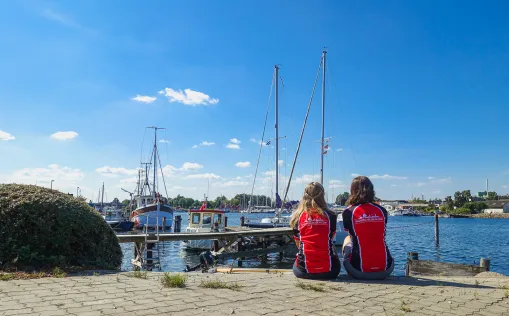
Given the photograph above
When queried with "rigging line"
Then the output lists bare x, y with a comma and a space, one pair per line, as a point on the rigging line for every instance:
263, 135
162, 175
303, 128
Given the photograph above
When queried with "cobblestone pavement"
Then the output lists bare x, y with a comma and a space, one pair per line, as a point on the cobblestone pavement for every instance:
259, 294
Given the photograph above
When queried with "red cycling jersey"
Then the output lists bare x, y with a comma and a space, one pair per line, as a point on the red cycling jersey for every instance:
366, 223
316, 234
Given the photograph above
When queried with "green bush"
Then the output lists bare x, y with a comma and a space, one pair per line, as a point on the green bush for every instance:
475, 207
43, 228
461, 211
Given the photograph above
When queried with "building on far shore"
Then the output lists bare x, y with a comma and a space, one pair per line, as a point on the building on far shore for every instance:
497, 206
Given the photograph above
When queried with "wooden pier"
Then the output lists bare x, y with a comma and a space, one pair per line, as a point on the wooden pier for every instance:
231, 233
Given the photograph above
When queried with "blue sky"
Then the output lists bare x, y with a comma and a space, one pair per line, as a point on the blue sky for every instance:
416, 93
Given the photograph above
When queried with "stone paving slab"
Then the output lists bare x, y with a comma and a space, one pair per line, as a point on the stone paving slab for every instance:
259, 294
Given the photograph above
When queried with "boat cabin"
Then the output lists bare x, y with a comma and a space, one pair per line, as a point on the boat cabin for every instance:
208, 219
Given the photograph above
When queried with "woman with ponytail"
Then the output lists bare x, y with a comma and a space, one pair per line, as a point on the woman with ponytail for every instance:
314, 228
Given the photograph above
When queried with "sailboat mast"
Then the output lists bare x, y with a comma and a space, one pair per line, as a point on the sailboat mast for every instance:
155, 162
276, 69
323, 116
102, 198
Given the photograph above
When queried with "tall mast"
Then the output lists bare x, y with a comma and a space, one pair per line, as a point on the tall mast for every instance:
323, 115
276, 69
155, 161
102, 198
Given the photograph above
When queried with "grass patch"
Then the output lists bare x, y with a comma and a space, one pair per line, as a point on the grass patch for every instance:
174, 280
138, 274
58, 273
404, 307
506, 293
476, 294
20, 275
6, 276
217, 284
310, 286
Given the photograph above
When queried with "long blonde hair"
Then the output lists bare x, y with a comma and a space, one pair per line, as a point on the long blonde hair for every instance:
313, 200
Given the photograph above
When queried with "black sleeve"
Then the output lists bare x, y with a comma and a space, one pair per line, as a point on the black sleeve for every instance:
296, 233
333, 218
385, 214
347, 220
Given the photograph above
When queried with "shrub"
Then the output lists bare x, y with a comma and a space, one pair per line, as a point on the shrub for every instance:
42, 228
461, 211
475, 207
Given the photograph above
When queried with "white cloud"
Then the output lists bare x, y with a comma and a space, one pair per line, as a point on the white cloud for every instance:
243, 164
333, 184
234, 184
144, 98
204, 143
64, 135
6, 136
505, 186
307, 178
235, 141
129, 180
259, 142
280, 162
420, 184
394, 185
188, 97
270, 173
354, 175
45, 175
203, 176
339, 149
431, 178
191, 166
442, 180
387, 177
164, 141
113, 172
233, 146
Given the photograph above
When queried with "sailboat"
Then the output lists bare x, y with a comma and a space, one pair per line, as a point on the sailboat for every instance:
152, 209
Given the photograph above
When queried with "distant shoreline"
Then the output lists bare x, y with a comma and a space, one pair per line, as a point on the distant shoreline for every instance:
490, 215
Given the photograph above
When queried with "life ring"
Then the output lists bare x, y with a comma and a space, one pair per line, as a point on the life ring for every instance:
356, 274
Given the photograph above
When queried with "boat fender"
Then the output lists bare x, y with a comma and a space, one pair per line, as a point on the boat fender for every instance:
356, 274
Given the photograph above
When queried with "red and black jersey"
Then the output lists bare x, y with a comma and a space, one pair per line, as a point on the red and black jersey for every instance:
366, 223
316, 234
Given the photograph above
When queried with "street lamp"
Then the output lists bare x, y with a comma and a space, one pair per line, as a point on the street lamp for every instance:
51, 184
77, 189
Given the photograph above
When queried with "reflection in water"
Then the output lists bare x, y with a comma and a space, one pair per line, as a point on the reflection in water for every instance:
458, 244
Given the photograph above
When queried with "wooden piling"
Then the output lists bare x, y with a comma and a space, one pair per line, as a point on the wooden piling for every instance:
242, 221
177, 224
410, 256
485, 263
436, 230
225, 221
216, 245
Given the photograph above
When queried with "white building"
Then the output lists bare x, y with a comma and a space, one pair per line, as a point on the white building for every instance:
497, 206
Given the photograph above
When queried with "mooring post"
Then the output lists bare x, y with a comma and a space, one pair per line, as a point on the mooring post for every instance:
410, 256
436, 229
242, 221
216, 245
178, 224
485, 263
225, 221
240, 247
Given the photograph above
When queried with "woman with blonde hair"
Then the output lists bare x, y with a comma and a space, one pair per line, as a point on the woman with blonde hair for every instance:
314, 228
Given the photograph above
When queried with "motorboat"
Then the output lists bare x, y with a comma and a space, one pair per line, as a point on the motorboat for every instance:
204, 220
117, 220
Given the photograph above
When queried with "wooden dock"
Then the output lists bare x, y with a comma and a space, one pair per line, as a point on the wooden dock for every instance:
231, 233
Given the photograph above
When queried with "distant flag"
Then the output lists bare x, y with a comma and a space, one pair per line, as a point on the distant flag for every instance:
203, 206
267, 143
325, 149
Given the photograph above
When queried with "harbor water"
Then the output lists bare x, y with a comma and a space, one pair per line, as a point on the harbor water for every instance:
462, 240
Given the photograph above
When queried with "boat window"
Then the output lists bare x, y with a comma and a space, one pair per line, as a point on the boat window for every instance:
196, 218
217, 218
206, 219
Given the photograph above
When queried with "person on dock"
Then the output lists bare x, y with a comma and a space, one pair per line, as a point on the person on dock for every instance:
365, 252
314, 228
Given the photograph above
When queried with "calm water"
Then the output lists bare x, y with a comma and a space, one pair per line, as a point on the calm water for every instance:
461, 241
